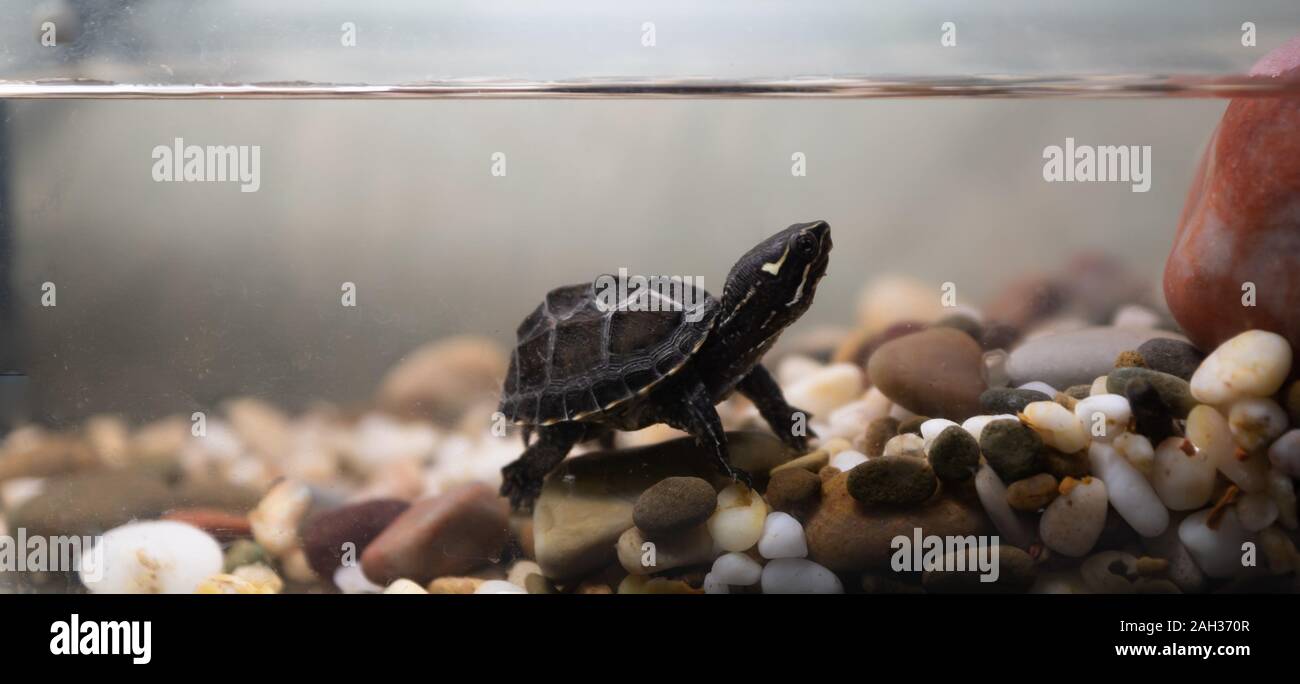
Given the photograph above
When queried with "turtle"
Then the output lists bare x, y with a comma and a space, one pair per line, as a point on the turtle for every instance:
592, 358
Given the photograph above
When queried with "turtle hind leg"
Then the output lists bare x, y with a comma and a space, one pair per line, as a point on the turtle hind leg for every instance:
522, 479
788, 422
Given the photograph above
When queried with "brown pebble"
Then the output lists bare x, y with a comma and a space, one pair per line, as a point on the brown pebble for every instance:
1063, 465
793, 491
454, 585
1130, 359
223, 526
1148, 566
911, 425
828, 472
812, 462
1032, 493
1079, 391
593, 588
537, 584
878, 432
1065, 400
450, 534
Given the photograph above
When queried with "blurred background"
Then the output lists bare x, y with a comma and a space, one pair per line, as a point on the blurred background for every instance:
174, 296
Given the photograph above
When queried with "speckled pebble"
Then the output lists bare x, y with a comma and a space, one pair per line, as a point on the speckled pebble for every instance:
954, 455
1033, 493
1174, 357
1013, 450
674, 504
892, 481
1008, 400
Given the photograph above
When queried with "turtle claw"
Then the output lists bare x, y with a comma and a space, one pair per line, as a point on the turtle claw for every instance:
521, 485
740, 475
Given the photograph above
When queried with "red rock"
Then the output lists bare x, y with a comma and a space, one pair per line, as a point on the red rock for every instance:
450, 534
324, 534
220, 524
1241, 222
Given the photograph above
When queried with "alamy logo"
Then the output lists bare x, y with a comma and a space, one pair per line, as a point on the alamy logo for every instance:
1100, 164
121, 637
37, 553
970, 553
652, 293
179, 162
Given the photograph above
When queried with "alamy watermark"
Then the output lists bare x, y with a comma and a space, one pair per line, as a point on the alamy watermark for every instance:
651, 293
1073, 163
179, 162
38, 553
921, 553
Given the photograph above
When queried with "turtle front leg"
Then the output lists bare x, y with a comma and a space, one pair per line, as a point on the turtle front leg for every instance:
788, 422
697, 416
522, 479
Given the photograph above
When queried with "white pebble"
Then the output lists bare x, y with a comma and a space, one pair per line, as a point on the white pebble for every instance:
799, 576
405, 586
993, 496
1057, 426
1282, 489
1098, 386
1137, 450
1256, 511
1135, 316
737, 523
827, 389
877, 403
783, 537
351, 580
275, 519
851, 419
1181, 481
846, 460
1208, 430
1039, 387
1073, 522
499, 587
906, 444
713, 585
931, 429
154, 557
1284, 453
1129, 492
520, 571
796, 367
975, 424
737, 570
1252, 364
900, 414
1217, 551
1256, 422
1105, 416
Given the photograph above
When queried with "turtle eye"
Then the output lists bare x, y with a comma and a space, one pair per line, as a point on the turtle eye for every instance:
806, 245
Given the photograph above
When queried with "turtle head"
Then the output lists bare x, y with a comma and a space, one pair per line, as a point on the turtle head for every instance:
773, 283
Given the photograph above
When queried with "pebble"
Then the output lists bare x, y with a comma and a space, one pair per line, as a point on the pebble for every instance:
1209, 431
937, 372
587, 501
1151, 416
1128, 491
1016, 572
1183, 481
1282, 490
794, 491
848, 420
1007, 400
1217, 550
244, 552
1105, 416
1182, 569
812, 462
826, 390
967, 321
799, 576
640, 557
520, 570
223, 526
1074, 357
888, 299
454, 585
1137, 450
1174, 357
325, 534
931, 429
1252, 364
911, 425
1255, 422
1013, 450
1098, 386
538, 584
439, 381
640, 584
1062, 465
847, 459
404, 586
1073, 522
1110, 572
1032, 494
737, 570
783, 537
277, 516
992, 494
906, 445
153, 557
713, 585
845, 536
449, 534
878, 432
975, 424
954, 454
1130, 359
351, 579
737, 523
499, 587
1057, 426
672, 505
1256, 511
1135, 316
892, 481
1174, 391
1284, 453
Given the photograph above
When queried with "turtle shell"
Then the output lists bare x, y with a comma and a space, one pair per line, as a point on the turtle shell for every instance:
577, 354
